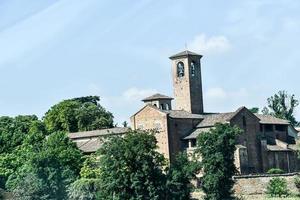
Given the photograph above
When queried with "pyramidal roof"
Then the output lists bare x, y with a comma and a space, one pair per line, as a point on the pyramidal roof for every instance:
184, 53
156, 97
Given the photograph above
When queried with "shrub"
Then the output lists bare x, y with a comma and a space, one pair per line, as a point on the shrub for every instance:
277, 187
84, 189
275, 171
297, 182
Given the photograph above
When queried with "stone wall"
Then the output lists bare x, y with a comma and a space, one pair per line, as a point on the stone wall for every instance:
257, 184
151, 118
250, 126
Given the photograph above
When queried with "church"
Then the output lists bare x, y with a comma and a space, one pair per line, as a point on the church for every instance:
266, 142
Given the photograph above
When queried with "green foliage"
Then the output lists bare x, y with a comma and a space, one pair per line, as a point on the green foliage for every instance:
277, 187
84, 189
53, 167
78, 114
17, 136
30, 189
179, 176
275, 171
13, 131
297, 182
90, 168
282, 105
216, 148
254, 110
131, 168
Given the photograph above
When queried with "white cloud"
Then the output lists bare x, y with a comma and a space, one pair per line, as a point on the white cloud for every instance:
209, 45
135, 94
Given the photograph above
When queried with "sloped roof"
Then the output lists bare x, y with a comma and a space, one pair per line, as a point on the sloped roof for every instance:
182, 114
268, 119
156, 97
89, 146
97, 133
196, 132
211, 120
184, 53
276, 148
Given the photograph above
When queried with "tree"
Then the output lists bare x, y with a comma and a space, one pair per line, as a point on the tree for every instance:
217, 148
277, 187
55, 166
14, 130
78, 114
17, 135
90, 168
179, 175
84, 189
87, 187
254, 110
282, 105
131, 168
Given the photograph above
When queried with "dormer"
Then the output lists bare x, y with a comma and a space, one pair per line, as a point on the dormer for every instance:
160, 101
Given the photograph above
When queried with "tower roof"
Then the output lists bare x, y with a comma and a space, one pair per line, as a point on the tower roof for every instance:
156, 97
184, 53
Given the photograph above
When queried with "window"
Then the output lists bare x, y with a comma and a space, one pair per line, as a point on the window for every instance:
269, 127
261, 128
280, 128
162, 107
167, 106
180, 69
193, 68
193, 142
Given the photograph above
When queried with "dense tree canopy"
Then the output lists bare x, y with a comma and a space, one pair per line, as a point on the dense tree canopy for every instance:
78, 114
179, 176
131, 168
14, 130
55, 166
17, 137
216, 148
282, 105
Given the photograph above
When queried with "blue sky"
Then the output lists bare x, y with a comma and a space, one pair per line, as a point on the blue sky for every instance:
52, 50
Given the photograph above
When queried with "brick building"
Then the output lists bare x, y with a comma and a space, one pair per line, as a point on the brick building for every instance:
267, 142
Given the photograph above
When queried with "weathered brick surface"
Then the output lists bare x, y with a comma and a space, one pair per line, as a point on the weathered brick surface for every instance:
249, 139
188, 89
251, 185
150, 118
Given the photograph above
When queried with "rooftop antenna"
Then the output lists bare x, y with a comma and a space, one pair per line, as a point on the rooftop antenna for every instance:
185, 45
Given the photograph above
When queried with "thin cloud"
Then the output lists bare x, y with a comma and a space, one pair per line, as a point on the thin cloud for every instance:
210, 45
136, 94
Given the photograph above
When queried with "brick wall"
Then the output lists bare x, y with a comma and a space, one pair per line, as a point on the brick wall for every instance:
257, 184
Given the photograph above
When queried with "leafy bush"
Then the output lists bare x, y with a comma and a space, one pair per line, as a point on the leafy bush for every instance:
1, 193
297, 182
84, 189
275, 171
277, 187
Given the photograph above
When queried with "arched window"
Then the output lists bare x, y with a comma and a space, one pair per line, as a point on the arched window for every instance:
167, 107
180, 69
193, 68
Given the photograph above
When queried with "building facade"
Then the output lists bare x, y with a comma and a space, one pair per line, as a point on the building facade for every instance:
266, 142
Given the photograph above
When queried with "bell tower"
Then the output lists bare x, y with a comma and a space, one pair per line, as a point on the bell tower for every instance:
187, 82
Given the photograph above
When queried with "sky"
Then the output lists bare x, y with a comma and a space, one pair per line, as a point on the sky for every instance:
53, 50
